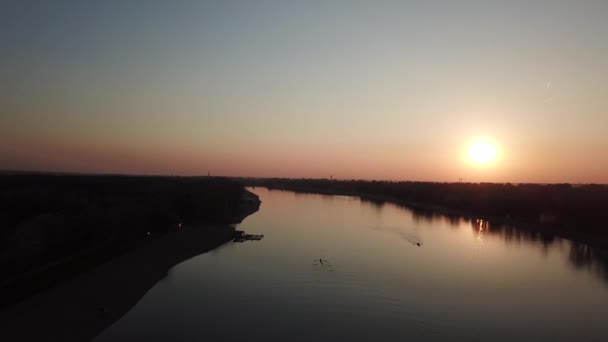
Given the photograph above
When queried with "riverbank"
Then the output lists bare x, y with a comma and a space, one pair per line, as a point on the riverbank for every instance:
57, 226
79, 251
600, 242
576, 213
82, 307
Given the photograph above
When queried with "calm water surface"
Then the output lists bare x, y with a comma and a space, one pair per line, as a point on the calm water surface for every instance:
467, 281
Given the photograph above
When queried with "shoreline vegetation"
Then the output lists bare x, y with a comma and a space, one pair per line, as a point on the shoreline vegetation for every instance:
574, 212
79, 251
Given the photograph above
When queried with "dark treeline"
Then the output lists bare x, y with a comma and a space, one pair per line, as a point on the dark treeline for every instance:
576, 208
580, 253
62, 223
535, 213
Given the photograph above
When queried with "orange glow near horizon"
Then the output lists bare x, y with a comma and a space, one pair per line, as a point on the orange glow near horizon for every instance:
360, 90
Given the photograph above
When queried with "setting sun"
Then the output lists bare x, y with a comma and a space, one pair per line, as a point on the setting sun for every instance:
482, 152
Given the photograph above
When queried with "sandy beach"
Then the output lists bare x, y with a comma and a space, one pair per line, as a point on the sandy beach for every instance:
80, 308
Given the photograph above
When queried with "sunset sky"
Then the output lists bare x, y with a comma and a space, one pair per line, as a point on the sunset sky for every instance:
354, 89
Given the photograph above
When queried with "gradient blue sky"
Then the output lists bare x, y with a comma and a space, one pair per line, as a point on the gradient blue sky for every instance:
354, 89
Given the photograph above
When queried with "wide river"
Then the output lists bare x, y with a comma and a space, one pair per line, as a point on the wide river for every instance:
387, 274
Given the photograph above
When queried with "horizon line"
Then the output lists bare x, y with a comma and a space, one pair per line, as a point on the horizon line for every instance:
4, 172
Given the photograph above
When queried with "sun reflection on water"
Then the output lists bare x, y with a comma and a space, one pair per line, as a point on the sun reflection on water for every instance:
481, 227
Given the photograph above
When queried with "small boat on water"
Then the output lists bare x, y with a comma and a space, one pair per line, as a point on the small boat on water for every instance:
247, 237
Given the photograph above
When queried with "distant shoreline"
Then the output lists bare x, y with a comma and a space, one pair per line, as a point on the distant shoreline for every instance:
599, 241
